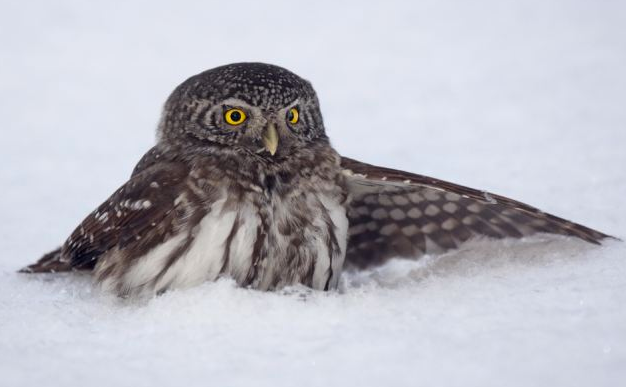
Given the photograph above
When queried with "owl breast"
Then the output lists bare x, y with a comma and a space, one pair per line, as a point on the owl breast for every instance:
283, 240
263, 237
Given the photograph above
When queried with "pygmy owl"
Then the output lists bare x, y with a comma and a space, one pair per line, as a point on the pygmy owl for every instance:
244, 183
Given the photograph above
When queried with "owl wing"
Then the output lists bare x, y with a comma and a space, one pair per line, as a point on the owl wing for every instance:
147, 202
400, 214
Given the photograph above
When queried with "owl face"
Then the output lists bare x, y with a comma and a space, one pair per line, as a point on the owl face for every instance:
254, 108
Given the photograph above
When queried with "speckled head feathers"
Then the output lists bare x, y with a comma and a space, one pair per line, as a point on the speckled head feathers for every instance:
266, 93
258, 84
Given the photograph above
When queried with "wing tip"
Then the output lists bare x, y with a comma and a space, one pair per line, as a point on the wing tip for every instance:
26, 269
587, 234
606, 237
51, 262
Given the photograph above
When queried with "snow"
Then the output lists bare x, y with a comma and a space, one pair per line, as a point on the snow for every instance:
525, 99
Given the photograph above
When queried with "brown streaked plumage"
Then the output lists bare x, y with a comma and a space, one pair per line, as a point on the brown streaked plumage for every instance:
244, 183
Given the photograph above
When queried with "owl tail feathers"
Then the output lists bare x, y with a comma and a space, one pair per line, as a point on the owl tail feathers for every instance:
52, 262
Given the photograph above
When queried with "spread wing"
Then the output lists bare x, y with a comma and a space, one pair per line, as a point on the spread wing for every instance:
145, 203
400, 214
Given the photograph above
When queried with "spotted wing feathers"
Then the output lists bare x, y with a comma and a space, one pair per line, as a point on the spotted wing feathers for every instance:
49, 263
400, 214
138, 216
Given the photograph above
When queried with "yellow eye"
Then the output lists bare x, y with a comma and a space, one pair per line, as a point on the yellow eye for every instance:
293, 115
235, 116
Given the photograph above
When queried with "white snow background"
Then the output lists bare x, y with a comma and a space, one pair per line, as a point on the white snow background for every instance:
525, 99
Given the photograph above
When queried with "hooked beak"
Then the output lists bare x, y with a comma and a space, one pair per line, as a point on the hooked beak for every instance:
270, 139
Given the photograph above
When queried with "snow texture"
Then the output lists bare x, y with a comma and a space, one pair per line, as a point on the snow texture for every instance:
526, 99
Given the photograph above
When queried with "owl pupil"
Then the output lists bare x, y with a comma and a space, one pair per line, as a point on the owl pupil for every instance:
235, 116
290, 117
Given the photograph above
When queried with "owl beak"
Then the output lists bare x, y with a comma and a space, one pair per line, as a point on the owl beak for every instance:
270, 139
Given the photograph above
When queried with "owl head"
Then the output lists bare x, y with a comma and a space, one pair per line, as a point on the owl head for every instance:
254, 108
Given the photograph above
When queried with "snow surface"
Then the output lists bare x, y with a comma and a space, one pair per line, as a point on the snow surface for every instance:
525, 99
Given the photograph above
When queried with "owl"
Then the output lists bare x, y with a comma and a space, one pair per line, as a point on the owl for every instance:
243, 183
